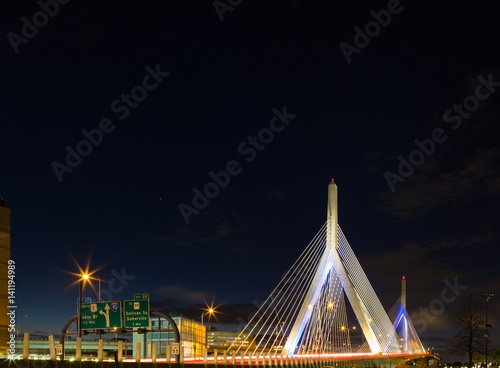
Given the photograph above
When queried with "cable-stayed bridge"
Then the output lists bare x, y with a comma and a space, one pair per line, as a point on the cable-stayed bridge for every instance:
323, 313
306, 315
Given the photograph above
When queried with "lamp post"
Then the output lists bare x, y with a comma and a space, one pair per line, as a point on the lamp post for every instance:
209, 312
99, 294
487, 297
99, 282
84, 278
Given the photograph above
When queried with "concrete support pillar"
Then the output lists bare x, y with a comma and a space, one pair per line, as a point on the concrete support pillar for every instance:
168, 356
100, 349
52, 348
153, 353
26, 346
120, 351
78, 351
137, 352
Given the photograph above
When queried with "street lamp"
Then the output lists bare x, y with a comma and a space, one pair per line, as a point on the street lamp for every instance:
83, 278
99, 281
209, 311
99, 293
487, 297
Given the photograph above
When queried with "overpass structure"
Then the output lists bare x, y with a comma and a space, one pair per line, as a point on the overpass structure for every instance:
41, 347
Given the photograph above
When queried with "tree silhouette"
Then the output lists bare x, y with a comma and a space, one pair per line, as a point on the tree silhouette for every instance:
470, 318
496, 356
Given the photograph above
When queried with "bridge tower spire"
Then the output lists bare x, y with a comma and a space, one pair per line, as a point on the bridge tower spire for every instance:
332, 216
403, 293
357, 304
403, 308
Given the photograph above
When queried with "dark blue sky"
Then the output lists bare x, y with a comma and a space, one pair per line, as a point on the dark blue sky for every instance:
119, 205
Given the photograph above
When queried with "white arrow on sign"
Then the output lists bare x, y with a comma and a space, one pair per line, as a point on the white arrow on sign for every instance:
106, 314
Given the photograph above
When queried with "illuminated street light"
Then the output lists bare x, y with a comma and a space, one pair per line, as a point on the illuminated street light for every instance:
84, 277
209, 311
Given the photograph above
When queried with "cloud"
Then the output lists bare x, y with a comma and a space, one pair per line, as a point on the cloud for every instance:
428, 263
275, 194
461, 170
182, 294
228, 234
452, 242
222, 230
473, 178
411, 259
176, 300
241, 251
210, 233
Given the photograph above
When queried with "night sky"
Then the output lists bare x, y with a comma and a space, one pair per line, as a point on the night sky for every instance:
170, 92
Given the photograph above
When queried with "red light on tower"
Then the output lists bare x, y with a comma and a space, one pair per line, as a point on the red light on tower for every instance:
404, 277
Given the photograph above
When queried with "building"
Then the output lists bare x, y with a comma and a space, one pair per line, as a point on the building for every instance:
193, 337
222, 340
4, 259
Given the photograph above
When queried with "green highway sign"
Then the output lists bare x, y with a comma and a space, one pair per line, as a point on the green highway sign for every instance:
141, 296
136, 313
101, 315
